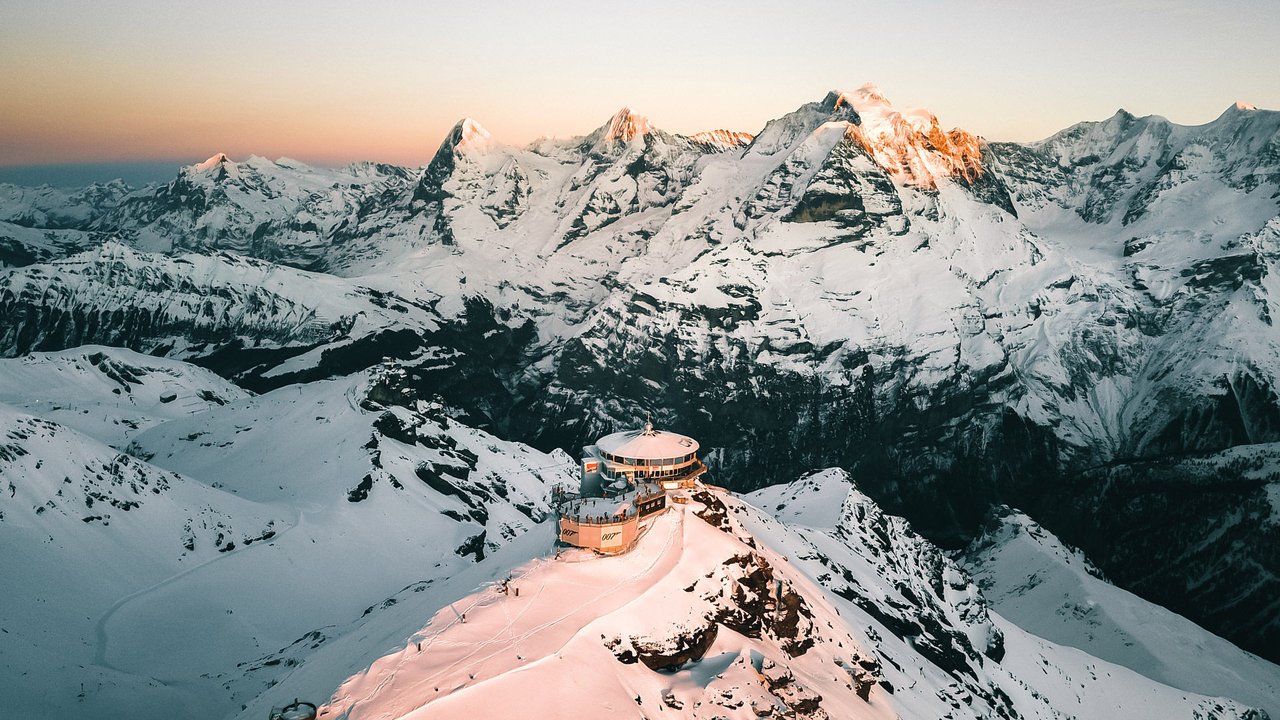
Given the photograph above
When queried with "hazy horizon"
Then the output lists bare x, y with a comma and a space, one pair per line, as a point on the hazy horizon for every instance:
137, 173
328, 84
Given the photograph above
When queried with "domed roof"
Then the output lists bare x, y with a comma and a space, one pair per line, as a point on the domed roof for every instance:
647, 444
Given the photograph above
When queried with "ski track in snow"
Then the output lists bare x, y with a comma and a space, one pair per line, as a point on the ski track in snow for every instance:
100, 629
666, 557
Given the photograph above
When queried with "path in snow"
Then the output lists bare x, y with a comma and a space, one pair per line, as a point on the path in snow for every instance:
557, 600
100, 630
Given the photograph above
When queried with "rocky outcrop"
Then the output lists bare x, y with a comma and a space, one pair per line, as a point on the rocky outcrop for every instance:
667, 653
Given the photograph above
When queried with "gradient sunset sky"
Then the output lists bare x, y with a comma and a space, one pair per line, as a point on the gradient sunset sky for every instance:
329, 82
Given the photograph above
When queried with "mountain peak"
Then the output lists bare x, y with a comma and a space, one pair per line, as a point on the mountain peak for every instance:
1239, 111
907, 143
467, 134
873, 110
626, 126
870, 92
835, 101
867, 97
214, 162
465, 139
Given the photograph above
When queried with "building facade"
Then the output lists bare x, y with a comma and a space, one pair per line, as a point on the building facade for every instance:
624, 459
625, 478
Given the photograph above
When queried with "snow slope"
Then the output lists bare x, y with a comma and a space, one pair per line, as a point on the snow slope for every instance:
110, 393
85, 528
1053, 591
180, 578
723, 610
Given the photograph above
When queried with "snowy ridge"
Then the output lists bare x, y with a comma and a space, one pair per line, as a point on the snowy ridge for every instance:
51, 208
280, 210
192, 304
725, 139
723, 611
46, 223
1120, 168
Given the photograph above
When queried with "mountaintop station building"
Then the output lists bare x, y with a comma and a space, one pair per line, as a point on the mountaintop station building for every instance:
623, 459
625, 478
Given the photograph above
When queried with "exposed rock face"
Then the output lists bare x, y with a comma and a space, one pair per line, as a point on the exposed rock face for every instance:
947, 620
754, 596
760, 603
850, 187
743, 595
669, 653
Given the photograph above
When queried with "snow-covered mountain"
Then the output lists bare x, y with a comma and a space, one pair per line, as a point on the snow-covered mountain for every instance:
1081, 328
1053, 591
169, 578
820, 606
271, 547
110, 394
